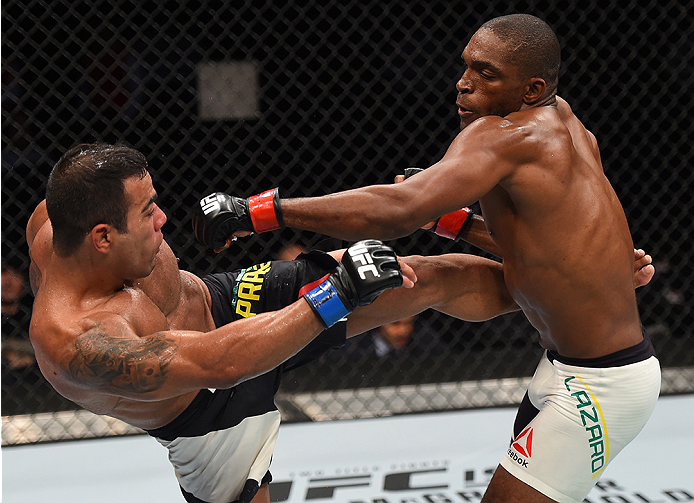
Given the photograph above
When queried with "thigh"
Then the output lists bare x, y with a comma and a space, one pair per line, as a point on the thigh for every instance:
586, 416
550, 456
265, 287
263, 494
505, 488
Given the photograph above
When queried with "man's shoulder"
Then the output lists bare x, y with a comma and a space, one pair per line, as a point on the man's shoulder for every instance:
55, 324
54, 332
530, 125
79, 355
36, 221
521, 137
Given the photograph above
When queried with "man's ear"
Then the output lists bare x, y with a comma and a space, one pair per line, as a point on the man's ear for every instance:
534, 91
101, 236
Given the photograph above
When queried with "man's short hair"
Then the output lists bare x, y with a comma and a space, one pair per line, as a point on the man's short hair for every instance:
86, 188
535, 48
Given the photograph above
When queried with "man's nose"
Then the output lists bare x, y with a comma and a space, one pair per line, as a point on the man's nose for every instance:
463, 85
161, 218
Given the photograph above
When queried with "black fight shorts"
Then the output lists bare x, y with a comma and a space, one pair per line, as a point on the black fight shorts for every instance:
222, 444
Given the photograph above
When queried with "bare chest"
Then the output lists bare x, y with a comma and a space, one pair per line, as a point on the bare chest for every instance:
163, 285
181, 306
180, 297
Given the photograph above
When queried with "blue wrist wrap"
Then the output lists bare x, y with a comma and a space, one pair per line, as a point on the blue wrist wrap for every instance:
326, 303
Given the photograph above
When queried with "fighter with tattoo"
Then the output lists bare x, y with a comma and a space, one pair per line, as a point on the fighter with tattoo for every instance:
120, 330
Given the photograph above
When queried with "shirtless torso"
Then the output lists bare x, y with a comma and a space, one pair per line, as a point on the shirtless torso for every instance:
564, 237
567, 250
556, 221
167, 299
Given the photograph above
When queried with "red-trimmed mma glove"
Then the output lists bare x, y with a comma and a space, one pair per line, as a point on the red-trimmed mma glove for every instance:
367, 268
219, 216
451, 225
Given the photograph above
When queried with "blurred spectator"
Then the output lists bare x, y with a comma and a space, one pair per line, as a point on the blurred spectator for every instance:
667, 307
393, 337
404, 338
17, 352
11, 290
24, 389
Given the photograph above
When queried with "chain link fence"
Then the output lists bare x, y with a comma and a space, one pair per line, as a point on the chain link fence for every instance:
317, 97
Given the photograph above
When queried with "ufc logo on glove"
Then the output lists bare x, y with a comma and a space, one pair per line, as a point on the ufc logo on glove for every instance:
209, 204
360, 254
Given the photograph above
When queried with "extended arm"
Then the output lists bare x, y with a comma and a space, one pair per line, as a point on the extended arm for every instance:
111, 357
109, 354
475, 162
380, 211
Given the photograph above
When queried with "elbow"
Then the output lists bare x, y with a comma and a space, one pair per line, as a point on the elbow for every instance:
226, 375
397, 221
394, 231
391, 212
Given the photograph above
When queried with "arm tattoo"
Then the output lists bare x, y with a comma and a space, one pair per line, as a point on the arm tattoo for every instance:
134, 365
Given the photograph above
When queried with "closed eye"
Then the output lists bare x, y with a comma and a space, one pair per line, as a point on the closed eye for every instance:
152, 203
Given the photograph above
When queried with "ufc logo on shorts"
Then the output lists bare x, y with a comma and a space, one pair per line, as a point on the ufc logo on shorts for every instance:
209, 204
361, 255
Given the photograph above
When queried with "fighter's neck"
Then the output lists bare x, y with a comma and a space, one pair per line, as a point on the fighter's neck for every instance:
547, 101
84, 276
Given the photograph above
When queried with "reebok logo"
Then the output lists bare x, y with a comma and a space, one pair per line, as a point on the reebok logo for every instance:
523, 445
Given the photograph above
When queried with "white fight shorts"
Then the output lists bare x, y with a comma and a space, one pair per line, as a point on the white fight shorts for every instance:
578, 415
222, 444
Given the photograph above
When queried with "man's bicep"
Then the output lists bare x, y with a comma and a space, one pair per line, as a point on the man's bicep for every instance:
114, 359
473, 165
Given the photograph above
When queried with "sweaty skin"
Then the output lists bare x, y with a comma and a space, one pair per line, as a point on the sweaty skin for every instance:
549, 212
140, 350
536, 171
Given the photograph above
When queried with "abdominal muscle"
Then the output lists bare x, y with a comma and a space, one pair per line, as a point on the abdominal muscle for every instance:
577, 319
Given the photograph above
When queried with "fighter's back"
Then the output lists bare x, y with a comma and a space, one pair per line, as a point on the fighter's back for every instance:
568, 253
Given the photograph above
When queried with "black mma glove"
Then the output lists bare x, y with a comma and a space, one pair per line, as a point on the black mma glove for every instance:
219, 215
367, 269
451, 225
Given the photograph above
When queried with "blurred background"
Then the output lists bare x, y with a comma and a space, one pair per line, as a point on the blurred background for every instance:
316, 97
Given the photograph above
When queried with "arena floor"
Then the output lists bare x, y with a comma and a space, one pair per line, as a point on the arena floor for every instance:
441, 457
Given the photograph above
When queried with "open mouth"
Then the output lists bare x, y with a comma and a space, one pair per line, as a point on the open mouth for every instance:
462, 109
